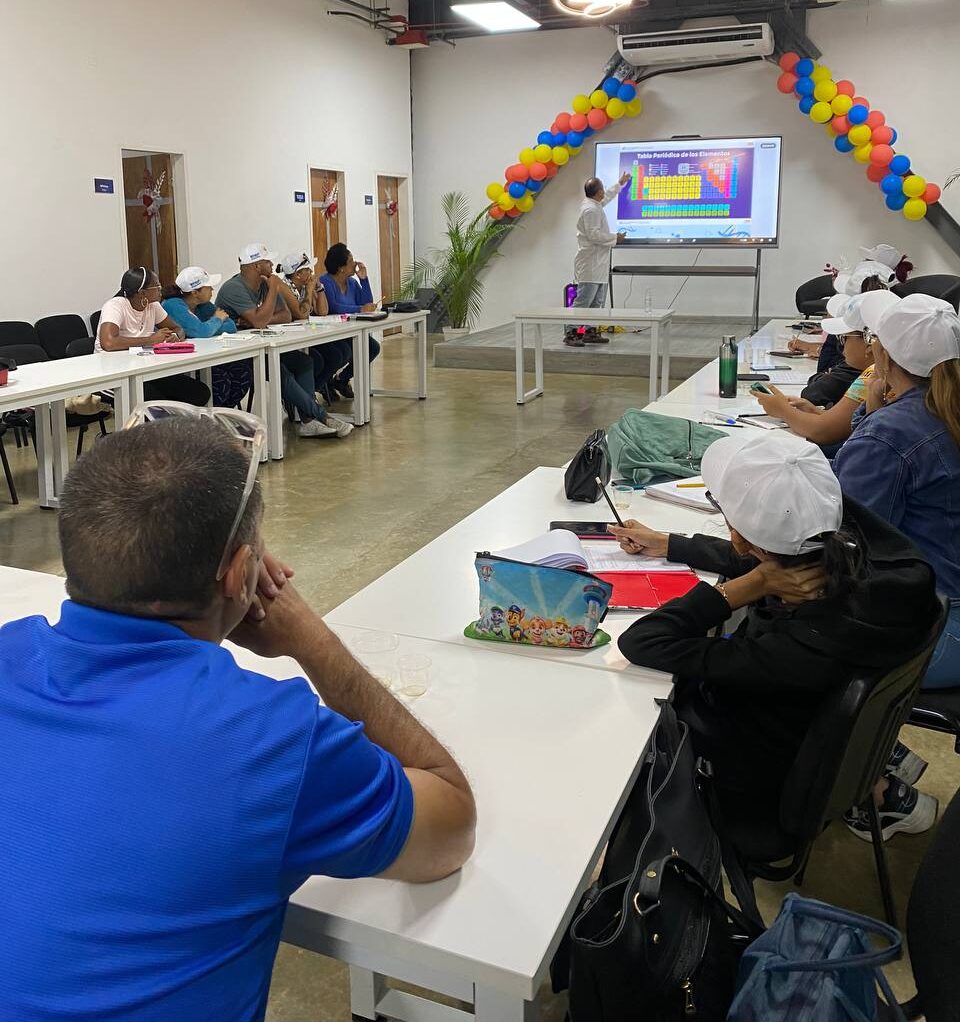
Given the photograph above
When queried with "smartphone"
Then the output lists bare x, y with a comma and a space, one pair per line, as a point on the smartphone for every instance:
585, 530
752, 376
788, 354
759, 388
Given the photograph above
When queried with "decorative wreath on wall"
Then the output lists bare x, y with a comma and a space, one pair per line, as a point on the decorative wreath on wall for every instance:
328, 204
150, 195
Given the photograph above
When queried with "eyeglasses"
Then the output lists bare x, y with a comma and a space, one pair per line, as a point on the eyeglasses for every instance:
241, 426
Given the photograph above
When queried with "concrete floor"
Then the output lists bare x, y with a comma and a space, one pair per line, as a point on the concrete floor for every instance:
343, 512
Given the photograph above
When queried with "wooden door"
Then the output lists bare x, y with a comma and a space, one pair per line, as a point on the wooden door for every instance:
326, 207
151, 222
388, 214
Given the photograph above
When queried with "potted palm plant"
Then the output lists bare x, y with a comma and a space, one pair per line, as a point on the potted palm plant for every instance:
454, 272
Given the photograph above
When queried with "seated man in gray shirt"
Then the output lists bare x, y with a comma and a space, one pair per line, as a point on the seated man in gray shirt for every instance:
253, 298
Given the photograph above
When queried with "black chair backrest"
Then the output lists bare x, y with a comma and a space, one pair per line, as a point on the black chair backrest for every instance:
83, 346
932, 934
56, 332
814, 290
939, 285
12, 331
24, 354
847, 747
94, 322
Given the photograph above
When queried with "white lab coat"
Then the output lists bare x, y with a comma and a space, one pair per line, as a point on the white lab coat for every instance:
594, 240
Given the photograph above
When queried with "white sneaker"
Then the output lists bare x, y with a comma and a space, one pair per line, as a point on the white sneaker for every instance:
342, 427
904, 810
316, 428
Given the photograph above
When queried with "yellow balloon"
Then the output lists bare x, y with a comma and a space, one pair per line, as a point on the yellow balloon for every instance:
543, 153
825, 91
821, 113
860, 134
506, 201
525, 203
560, 155
494, 191
573, 150
527, 156
820, 73
914, 186
915, 209
862, 153
581, 104
840, 104
616, 108
634, 107
599, 99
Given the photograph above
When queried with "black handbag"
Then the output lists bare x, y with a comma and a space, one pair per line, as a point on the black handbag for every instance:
589, 463
654, 937
401, 307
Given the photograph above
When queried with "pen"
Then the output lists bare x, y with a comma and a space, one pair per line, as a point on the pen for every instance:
714, 422
690, 486
606, 495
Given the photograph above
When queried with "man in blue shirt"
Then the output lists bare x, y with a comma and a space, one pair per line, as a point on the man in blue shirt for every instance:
158, 803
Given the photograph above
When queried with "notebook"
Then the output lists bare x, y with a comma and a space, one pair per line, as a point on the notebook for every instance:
560, 548
675, 492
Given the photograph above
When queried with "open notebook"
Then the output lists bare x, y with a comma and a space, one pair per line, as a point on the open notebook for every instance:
559, 548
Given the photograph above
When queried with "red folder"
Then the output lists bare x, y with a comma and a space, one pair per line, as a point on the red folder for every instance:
643, 590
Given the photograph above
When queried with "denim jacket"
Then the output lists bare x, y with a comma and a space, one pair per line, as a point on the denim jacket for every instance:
902, 463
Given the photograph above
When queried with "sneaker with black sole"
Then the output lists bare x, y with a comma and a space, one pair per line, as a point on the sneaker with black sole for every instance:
905, 764
904, 810
344, 388
316, 428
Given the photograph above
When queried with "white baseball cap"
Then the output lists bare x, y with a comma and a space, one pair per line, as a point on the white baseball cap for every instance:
195, 277
919, 333
857, 312
254, 252
886, 254
850, 283
777, 490
296, 261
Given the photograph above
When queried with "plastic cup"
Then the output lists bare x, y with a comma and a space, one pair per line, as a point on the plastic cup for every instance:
414, 674
375, 642
622, 495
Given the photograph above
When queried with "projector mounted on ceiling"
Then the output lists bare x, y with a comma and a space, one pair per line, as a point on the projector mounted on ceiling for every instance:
696, 45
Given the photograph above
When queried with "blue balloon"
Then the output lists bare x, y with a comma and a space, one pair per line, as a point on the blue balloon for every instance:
587, 132
858, 114
895, 136
627, 93
843, 144
611, 87
896, 201
805, 87
559, 138
892, 184
516, 189
575, 138
545, 138
804, 67
533, 186
900, 164
806, 104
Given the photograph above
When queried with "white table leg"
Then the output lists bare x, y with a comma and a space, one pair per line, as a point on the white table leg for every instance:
261, 404
518, 344
206, 376
122, 403
366, 987
665, 360
61, 457
274, 408
361, 378
44, 434
538, 363
136, 391
494, 1006
422, 359
654, 360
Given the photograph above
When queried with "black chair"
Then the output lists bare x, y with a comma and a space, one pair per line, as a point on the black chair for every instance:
8, 475
94, 322
938, 709
811, 297
841, 759
81, 346
938, 285
14, 331
56, 332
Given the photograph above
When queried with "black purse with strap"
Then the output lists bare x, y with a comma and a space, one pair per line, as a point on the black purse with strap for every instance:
591, 462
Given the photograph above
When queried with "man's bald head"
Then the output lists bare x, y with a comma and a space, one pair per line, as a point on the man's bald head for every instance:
593, 189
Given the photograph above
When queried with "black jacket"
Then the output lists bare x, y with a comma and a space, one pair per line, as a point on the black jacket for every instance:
751, 697
826, 388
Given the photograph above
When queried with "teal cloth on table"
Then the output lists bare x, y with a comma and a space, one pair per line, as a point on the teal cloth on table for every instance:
650, 448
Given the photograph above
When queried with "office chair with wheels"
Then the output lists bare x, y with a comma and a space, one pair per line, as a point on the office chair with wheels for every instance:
56, 332
811, 297
841, 759
938, 285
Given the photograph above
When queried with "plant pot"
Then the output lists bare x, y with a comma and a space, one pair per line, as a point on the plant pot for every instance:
451, 333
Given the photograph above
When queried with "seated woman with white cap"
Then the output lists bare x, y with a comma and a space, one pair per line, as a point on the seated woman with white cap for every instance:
830, 591
187, 302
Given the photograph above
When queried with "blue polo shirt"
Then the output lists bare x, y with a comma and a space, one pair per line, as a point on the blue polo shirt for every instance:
158, 805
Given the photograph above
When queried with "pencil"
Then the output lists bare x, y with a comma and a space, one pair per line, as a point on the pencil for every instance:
690, 486
606, 495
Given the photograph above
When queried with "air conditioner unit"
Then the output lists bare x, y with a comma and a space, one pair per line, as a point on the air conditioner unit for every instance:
696, 45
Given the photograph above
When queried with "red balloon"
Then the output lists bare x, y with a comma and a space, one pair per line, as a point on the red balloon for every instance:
881, 155
789, 61
845, 88
517, 172
513, 213
579, 121
931, 194
882, 135
553, 128
787, 81
496, 213
875, 119
552, 169
875, 172
597, 119
840, 124
563, 122
537, 171
630, 81
860, 101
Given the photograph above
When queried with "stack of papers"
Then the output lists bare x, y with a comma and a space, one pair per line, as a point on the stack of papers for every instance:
685, 492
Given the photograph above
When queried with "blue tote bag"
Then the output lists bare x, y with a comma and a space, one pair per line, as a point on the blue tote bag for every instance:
815, 964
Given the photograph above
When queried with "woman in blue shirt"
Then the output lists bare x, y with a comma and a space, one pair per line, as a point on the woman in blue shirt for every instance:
347, 288
903, 460
187, 303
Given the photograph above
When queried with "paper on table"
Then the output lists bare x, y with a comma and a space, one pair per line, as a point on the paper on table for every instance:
788, 377
601, 558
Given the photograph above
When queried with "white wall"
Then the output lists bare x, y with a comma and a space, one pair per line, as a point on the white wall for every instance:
475, 107
251, 92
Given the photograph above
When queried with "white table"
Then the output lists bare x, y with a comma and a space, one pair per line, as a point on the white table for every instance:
417, 320
658, 319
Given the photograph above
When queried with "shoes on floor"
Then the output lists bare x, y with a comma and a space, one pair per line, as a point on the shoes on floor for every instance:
592, 337
905, 765
904, 809
573, 340
342, 387
340, 424
332, 427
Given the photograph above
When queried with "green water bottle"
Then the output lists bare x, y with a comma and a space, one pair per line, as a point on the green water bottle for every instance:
728, 366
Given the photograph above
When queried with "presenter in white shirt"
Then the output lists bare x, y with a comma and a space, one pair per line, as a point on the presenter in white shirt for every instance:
591, 268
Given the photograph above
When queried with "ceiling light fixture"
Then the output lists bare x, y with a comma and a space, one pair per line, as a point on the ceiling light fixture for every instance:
497, 16
593, 8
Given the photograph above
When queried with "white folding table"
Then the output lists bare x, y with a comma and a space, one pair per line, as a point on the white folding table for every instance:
418, 320
657, 319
